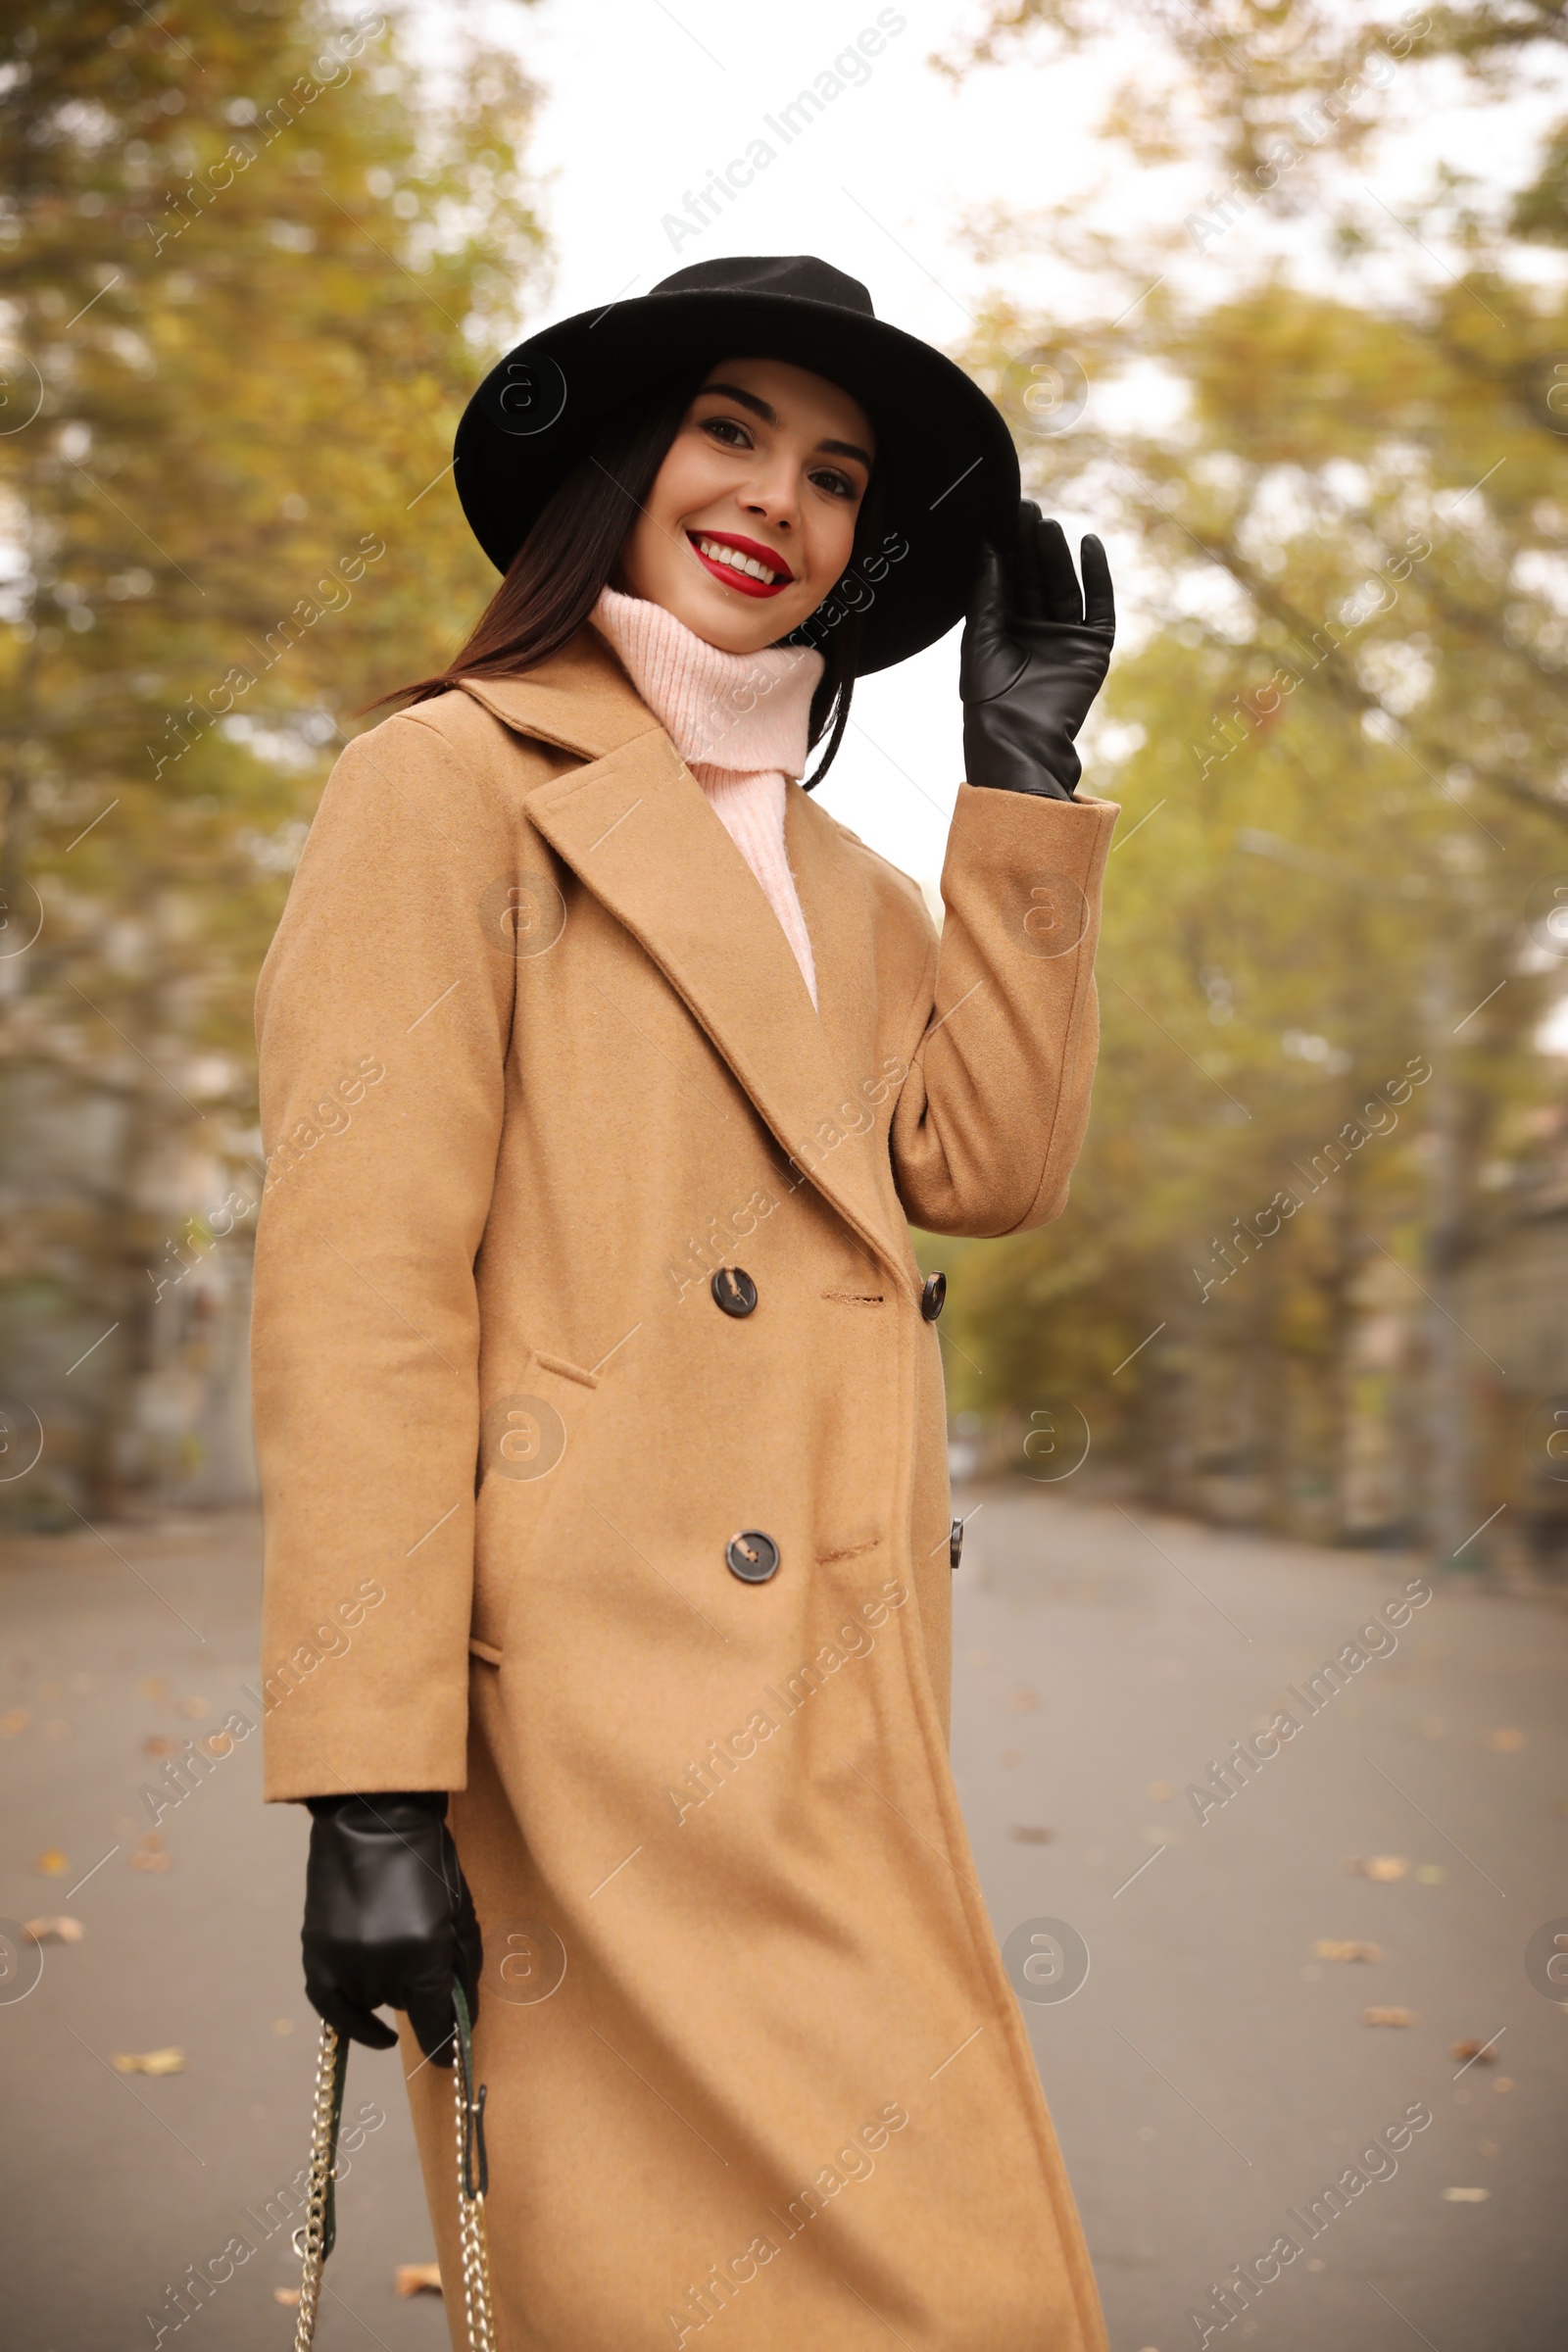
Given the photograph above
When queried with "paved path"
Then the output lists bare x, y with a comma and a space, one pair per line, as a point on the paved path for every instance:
1213, 2074
1210, 2074
112, 2184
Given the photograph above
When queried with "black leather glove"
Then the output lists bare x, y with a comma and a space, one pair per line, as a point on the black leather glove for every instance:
388, 1919
1035, 655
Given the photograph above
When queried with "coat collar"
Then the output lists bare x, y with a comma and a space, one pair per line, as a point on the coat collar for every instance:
636, 828
581, 699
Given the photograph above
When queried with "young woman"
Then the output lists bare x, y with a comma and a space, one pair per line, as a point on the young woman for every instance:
598, 1392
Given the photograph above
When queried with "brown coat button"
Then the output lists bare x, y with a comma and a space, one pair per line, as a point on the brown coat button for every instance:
751, 1556
734, 1291
934, 1297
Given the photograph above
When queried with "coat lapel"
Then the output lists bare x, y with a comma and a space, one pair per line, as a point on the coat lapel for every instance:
832, 876
637, 829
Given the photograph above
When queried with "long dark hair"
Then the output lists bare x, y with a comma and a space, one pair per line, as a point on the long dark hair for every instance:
554, 579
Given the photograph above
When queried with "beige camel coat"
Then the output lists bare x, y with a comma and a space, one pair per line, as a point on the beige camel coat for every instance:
536, 1059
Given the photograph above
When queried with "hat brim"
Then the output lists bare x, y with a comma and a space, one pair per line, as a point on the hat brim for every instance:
947, 466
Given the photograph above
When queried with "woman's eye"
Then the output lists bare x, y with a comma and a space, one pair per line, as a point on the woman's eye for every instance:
726, 429
837, 485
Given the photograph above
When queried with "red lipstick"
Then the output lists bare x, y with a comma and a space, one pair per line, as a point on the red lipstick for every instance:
745, 582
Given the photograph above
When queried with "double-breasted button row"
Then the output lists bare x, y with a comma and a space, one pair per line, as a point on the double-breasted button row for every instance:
751, 1556
736, 1292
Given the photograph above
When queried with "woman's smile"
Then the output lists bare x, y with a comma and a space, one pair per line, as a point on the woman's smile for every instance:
741, 564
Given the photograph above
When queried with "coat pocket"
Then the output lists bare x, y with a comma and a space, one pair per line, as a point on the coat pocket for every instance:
534, 1412
524, 1431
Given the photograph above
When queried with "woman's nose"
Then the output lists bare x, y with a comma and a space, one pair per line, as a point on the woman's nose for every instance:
772, 498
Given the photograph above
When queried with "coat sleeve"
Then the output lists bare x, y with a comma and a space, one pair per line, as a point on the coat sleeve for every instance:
383, 1017
992, 1114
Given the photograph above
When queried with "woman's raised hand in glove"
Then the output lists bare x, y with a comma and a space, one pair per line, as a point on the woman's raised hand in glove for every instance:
1035, 655
388, 1919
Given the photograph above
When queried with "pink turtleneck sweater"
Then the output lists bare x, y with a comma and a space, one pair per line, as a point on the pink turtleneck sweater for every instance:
740, 721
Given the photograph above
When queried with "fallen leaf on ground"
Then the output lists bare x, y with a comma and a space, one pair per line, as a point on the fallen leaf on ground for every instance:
1482, 2052
1026, 1835
52, 1863
194, 1707
417, 2278
1328, 1947
1388, 2017
153, 1687
149, 2062
287, 2294
1466, 2196
1430, 1874
1024, 1701
54, 1930
1506, 1741
18, 1720
160, 1743
1161, 1790
216, 1744
1503, 2083
142, 1859
1381, 1867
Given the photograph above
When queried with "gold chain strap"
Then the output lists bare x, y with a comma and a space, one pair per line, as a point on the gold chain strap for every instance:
313, 2241
314, 2238
473, 2182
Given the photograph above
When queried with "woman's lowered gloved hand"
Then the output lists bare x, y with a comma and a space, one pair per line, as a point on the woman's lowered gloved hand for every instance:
388, 1918
1035, 655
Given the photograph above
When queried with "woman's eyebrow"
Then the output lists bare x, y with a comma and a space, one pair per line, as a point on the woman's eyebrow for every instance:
748, 400
847, 449
769, 415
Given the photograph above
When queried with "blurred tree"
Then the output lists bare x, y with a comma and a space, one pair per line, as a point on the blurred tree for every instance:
252, 257
1344, 754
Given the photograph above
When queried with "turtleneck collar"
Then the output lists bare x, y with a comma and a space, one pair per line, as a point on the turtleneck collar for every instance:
742, 724
737, 713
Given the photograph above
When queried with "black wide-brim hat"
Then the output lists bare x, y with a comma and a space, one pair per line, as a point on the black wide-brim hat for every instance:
946, 465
